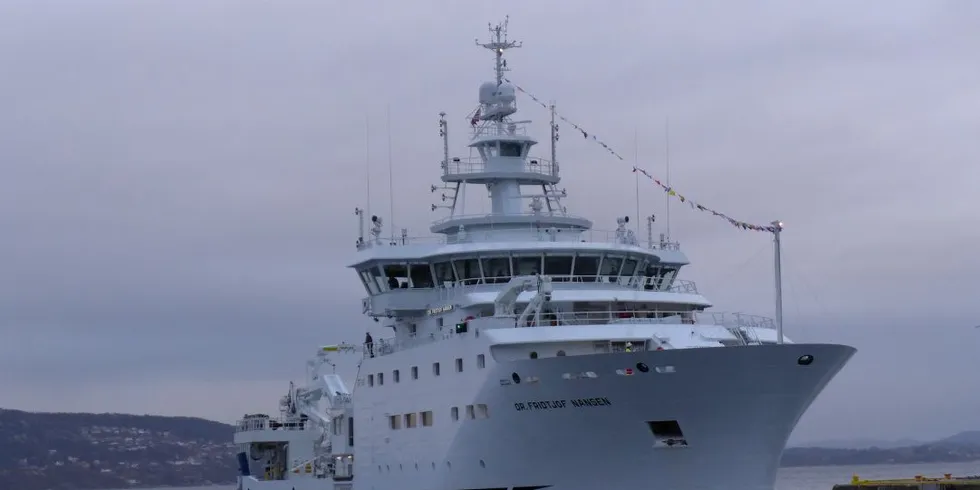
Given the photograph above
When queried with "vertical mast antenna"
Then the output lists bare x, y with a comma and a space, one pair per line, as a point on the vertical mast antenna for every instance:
667, 158
636, 177
391, 174
367, 160
498, 43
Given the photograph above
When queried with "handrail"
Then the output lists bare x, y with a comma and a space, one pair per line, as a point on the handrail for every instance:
736, 322
512, 233
473, 165
451, 289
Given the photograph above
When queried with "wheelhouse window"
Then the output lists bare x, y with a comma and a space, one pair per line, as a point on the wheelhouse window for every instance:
421, 275
586, 268
379, 278
527, 265
509, 149
559, 267
629, 268
367, 277
609, 268
444, 273
496, 269
396, 275
469, 271
651, 277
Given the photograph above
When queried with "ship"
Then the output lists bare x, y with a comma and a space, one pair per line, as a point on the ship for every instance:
521, 349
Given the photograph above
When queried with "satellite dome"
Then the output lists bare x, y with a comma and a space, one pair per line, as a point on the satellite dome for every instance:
488, 92
506, 93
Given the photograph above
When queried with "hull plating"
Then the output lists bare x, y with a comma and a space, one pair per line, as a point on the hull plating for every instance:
736, 407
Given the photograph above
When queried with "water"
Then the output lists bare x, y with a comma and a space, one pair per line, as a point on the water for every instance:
824, 477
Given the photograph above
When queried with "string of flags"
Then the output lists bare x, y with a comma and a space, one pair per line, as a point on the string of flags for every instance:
668, 189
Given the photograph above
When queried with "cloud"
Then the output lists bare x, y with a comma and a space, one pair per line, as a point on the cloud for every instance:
179, 179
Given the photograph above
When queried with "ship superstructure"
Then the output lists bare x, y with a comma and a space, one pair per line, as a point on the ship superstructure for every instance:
521, 349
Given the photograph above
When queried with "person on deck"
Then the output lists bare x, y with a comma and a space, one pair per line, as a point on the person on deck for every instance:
369, 344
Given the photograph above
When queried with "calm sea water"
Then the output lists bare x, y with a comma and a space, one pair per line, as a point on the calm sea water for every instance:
824, 477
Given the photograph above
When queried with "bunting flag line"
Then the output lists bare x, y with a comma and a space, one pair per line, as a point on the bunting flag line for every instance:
668, 189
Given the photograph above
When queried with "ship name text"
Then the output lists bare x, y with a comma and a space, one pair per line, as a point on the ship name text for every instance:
560, 404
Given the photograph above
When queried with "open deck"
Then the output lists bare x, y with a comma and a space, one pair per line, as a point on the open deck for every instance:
514, 235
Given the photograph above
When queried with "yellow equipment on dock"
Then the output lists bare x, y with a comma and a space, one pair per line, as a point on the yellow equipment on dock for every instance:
947, 482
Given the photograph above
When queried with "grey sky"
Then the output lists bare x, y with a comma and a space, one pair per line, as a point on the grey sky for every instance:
179, 180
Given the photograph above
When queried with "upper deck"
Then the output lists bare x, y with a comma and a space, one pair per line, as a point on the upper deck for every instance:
528, 237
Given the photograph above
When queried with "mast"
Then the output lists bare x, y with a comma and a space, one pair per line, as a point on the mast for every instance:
777, 270
498, 43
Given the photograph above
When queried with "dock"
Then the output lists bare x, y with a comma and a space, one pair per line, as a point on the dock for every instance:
919, 482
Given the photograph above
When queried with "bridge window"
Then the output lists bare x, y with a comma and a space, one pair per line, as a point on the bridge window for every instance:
668, 277
629, 268
609, 267
444, 273
396, 275
368, 278
508, 149
379, 279
528, 265
586, 268
421, 275
558, 265
497, 269
469, 270
651, 280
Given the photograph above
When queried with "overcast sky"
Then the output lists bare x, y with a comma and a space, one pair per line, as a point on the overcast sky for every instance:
179, 178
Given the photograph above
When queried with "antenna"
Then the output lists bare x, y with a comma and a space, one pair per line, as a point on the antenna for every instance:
498, 43
554, 140
367, 159
636, 177
667, 158
391, 172
444, 132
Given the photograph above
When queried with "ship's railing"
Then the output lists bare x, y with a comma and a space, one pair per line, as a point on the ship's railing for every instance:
502, 130
649, 283
510, 233
264, 423
473, 165
735, 322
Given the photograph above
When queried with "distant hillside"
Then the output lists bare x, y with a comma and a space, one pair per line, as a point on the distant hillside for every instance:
964, 446
66, 451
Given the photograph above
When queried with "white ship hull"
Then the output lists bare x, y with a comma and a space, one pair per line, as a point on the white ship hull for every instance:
736, 407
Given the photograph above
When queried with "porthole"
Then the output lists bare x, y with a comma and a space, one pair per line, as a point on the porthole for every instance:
641, 367
560, 353
483, 464
805, 360
516, 377
534, 355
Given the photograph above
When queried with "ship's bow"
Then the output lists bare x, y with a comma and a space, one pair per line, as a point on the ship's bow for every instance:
685, 419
